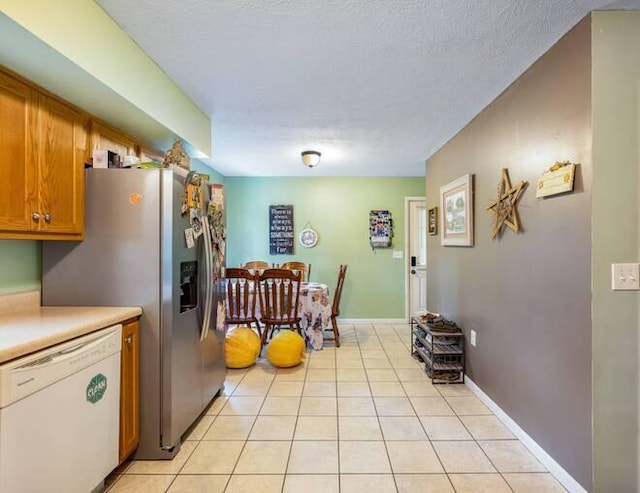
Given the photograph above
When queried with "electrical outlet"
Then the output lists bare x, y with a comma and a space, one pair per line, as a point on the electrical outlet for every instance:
472, 337
624, 277
398, 254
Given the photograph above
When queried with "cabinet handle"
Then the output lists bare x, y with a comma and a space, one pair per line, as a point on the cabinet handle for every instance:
128, 340
47, 217
35, 216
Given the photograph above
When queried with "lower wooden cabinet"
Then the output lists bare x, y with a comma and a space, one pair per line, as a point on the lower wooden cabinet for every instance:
129, 389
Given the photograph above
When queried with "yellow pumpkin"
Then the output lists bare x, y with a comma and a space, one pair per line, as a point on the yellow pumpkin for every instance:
286, 349
242, 346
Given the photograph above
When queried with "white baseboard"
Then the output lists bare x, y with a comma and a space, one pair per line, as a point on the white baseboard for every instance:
357, 321
554, 468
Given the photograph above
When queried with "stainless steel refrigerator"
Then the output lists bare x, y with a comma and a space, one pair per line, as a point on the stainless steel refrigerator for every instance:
135, 254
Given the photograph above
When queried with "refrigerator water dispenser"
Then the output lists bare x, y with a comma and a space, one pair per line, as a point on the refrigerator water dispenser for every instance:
188, 285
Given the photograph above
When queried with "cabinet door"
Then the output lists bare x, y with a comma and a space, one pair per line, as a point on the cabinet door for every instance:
62, 152
18, 173
129, 389
105, 137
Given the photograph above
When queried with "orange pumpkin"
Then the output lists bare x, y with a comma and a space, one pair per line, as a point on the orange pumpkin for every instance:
242, 347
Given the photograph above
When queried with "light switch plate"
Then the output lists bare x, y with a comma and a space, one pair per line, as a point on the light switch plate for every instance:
398, 254
624, 277
472, 337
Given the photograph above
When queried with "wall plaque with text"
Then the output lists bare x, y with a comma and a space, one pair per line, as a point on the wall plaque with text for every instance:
281, 229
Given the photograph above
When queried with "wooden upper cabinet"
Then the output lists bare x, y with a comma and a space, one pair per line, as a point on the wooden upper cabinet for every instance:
62, 154
18, 194
44, 148
106, 137
44, 145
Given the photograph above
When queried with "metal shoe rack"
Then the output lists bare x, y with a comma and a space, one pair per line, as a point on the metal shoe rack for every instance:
441, 348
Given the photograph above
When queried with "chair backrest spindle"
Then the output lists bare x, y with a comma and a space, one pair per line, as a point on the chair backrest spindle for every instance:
279, 294
240, 296
337, 295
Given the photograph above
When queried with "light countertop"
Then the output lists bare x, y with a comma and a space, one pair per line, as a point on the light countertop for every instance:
29, 330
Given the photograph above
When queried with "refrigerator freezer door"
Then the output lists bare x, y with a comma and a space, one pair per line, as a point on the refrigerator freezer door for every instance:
182, 378
197, 367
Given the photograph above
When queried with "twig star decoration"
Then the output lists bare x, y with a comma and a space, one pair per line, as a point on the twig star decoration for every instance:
504, 208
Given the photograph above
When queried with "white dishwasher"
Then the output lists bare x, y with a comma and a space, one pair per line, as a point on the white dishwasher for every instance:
59, 416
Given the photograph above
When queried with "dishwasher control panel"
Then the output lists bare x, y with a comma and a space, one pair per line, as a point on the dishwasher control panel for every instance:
24, 376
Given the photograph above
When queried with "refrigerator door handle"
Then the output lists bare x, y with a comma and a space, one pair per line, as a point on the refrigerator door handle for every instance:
210, 278
206, 320
204, 305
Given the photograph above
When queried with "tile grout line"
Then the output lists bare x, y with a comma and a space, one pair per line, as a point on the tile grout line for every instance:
384, 440
421, 425
235, 465
295, 426
473, 438
427, 434
395, 482
338, 422
368, 335
245, 442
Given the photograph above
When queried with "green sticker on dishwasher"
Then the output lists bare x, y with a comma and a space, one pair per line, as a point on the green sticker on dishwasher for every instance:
96, 388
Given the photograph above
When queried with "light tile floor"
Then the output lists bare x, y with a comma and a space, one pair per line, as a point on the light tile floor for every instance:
360, 418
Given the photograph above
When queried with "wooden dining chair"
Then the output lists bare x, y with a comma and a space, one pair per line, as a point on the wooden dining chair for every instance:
279, 293
335, 306
256, 266
304, 269
241, 297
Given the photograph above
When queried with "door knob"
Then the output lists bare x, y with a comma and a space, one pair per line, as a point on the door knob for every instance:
47, 217
128, 340
413, 271
35, 216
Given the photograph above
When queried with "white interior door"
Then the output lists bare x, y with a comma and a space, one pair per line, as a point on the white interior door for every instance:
417, 256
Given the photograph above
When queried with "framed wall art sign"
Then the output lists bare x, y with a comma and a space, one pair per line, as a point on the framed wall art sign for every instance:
432, 219
380, 229
558, 179
456, 204
281, 230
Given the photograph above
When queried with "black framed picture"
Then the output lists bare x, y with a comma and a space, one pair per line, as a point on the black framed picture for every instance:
433, 221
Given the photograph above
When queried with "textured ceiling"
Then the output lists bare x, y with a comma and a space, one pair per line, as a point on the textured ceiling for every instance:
376, 85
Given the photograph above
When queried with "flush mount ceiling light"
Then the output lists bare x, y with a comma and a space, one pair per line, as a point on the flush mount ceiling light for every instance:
310, 158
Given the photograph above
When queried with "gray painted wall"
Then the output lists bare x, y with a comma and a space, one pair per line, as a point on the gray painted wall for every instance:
528, 295
616, 107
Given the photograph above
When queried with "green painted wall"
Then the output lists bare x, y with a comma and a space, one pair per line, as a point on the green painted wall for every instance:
19, 266
615, 238
338, 209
